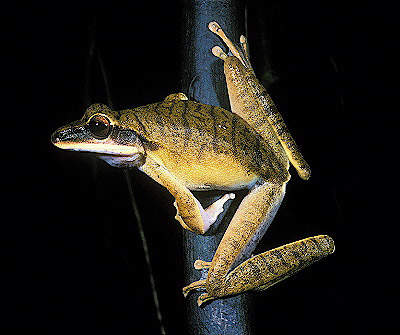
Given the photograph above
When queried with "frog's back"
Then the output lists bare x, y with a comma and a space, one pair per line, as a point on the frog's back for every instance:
197, 141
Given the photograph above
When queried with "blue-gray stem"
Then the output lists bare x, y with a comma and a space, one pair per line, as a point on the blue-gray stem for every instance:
203, 81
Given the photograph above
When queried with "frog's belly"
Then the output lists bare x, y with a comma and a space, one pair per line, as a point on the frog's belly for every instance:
216, 177
218, 173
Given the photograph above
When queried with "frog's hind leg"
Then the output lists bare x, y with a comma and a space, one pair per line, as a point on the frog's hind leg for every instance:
231, 272
268, 268
254, 215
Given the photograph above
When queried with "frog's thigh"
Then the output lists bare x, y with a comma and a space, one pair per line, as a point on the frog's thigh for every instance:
190, 213
250, 222
253, 217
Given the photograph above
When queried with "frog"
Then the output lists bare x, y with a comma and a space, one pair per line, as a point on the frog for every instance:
188, 146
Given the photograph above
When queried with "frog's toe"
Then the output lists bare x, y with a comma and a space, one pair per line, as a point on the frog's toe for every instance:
200, 265
217, 51
197, 285
214, 27
205, 297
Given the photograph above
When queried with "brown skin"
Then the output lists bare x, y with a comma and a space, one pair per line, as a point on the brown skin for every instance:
185, 145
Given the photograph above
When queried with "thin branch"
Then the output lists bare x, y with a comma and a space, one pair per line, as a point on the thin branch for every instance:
146, 252
135, 209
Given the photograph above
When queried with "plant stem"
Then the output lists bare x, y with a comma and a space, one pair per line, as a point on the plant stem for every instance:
203, 81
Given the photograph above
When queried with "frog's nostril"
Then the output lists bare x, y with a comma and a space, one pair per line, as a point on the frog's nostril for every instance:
61, 134
55, 137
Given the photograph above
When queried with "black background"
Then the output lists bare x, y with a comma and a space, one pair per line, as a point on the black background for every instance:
73, 260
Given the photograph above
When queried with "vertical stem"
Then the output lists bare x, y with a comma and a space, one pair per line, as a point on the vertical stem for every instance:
203, 81
130, 190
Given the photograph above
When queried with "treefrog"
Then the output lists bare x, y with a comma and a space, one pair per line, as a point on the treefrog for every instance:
186, 146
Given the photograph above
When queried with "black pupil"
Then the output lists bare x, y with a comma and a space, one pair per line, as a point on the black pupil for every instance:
99, 126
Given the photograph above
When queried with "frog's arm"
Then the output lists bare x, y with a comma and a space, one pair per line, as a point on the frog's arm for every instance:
190, 213
250, 100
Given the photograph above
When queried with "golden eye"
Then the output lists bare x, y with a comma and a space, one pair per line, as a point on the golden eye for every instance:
100, 126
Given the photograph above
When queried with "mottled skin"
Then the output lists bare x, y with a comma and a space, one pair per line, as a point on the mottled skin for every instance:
193, 138
185, 145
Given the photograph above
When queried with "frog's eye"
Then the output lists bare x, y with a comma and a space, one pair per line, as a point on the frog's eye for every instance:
100, 126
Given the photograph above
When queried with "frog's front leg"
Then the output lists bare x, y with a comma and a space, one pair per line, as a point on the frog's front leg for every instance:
229, 276
250, 100
190, 213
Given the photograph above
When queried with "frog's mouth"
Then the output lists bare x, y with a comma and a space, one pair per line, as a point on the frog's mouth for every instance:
115, 155
111, 149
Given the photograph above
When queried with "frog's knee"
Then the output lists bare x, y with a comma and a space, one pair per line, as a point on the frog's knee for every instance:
176, 96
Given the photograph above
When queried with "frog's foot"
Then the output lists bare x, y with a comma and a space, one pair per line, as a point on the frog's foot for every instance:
200, 265
204, 298
197, 285
211, 213
242, 54
208, 215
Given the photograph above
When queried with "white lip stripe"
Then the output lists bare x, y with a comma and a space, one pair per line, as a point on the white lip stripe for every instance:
103, 148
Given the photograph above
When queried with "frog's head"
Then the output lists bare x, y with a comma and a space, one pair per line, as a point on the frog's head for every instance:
99, 132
